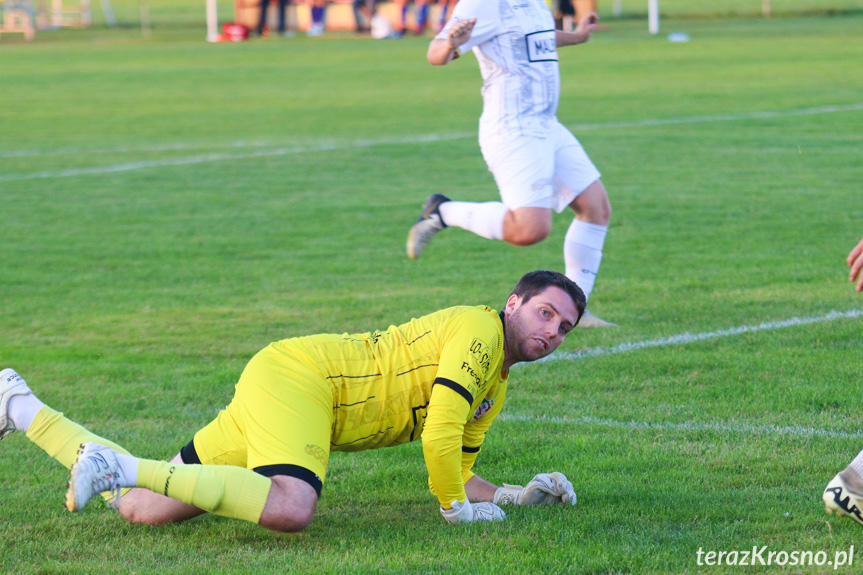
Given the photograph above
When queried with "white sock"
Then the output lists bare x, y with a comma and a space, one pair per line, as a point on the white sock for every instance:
21, 409
483, 219
857, 464
582, 253
129, 468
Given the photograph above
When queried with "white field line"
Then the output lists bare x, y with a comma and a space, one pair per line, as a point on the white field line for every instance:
292, 150
766, 114
765, 429
686, 338
224, 156
239, 145
683, 339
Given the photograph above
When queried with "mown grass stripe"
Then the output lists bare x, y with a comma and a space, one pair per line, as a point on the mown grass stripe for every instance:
357, 144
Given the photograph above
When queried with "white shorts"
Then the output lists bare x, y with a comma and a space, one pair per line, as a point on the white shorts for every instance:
538, 172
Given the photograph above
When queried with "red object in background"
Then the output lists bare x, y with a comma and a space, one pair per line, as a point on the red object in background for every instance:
234, 32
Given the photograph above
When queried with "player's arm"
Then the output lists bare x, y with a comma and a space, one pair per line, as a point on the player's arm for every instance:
447, 412
470, 344
441, 437
855, 262
580, 35
478, 489
442, 51
475, 431
543, 489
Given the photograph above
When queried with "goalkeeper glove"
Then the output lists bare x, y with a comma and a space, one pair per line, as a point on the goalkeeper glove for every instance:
468, 512
544, 489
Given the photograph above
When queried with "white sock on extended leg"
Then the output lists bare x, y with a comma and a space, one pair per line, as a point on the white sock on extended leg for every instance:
22, 409
129, 467
582, 253
484, 219
857, 465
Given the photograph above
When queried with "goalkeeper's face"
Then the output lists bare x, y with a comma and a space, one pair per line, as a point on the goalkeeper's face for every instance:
536, 327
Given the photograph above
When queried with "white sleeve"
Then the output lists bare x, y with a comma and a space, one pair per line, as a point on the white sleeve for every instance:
487, 14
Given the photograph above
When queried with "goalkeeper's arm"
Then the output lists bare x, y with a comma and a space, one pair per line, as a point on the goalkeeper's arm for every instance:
543, 489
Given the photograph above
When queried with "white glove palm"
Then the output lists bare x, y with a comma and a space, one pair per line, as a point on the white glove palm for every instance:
468, 512
544, 489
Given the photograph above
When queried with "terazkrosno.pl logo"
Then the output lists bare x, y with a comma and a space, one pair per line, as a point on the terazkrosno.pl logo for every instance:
758, 556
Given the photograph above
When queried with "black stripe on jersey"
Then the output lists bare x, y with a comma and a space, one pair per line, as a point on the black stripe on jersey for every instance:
353, 376
189, 454
456, 388
466, 449
414, 410
416, 368
306, 475
420, 337
357, 403
361, 438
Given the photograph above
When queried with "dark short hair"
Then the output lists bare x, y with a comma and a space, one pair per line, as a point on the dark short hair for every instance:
533, 283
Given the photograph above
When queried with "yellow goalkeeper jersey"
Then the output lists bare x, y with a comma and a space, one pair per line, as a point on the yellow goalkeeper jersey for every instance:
437, 377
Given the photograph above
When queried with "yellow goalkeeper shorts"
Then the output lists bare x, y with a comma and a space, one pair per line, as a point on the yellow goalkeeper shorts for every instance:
279, 421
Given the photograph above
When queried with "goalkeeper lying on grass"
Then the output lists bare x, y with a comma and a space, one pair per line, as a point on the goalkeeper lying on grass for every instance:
441, 377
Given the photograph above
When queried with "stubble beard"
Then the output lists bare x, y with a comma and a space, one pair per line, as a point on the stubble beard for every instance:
517, 342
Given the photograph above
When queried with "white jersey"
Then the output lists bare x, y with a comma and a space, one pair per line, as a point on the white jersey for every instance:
514, 42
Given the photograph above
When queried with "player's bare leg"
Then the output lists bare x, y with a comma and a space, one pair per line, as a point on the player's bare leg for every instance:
290, 506
526, 226
592, 205
151, 508
280, 503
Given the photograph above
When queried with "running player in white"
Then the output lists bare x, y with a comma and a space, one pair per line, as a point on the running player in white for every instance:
539, 166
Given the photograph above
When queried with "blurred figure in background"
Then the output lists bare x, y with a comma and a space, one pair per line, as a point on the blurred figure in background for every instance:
317, 25
282, 21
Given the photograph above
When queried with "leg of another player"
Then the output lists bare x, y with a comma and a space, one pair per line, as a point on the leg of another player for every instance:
582, 247
403, 15
446, 10
361, 14
262, 20
318, 13
421, 11
844, 494
491, 220
855, 262
526, 226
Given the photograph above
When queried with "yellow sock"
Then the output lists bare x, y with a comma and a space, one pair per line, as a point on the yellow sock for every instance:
60, 437
220, 489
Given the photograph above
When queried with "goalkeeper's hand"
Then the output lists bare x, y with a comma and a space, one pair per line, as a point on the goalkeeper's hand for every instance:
468, 512
544, 489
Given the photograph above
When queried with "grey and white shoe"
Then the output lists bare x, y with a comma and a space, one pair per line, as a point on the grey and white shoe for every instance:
96, 470
427, 226
840, 499
590, 320
11, 384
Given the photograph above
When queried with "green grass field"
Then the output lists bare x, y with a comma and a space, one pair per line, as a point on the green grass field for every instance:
169, 207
